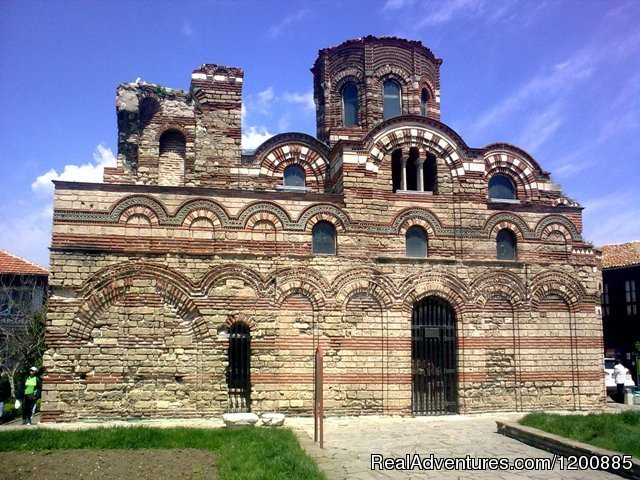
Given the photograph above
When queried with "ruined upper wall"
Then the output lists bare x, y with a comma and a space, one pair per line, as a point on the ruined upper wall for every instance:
368, 63
175, 138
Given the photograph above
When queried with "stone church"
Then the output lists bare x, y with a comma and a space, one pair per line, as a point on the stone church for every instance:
199, 278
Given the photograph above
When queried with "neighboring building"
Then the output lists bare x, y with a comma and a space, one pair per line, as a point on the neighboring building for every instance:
23, 290
437, 277
620, 306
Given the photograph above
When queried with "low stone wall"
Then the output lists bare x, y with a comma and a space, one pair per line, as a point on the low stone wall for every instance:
564, 446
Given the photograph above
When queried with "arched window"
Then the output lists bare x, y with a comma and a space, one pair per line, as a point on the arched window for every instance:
350, 105
416, 242
502, 187
239, 367
424, 98
324, 238
506, 245
391, 102
294, 176
172, 141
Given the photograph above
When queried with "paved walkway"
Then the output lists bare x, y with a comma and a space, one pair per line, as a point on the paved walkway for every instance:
350, 441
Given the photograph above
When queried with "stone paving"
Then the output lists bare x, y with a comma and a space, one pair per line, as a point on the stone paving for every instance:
350, 441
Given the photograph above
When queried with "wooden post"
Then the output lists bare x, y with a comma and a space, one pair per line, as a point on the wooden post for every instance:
318, 408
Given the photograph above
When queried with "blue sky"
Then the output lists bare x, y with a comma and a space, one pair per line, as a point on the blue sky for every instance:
560, 79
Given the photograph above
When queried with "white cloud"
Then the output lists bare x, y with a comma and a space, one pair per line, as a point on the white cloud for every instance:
187, 29
305, 99
612, 218
540, 127
280, 28
88, 172
397, 4
254, 136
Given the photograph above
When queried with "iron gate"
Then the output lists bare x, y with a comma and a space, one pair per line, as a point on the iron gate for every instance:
433, 358
239, 368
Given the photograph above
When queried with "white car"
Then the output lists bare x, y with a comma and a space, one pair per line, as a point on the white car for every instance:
609, 381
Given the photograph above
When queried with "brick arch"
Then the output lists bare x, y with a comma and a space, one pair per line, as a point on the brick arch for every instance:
498, 283
557, 223
513, 222
352, 74
234, 318
306, 281
523, 188
413, 132
199, 214
139, 211
248, 276
257, 211
559, 283
145, 205
417, 216
192, 209
111, 283
362, 280
330, 213
447, 287
518, 165
166, 127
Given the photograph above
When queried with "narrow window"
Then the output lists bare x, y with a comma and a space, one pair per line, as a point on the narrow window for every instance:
412, 169
630, 297
294, 176
605, 299
350, 105
424, 98
391, 104
239, 367
324, 238
501, 187
416, 242
396, 169
430, 173
506, 245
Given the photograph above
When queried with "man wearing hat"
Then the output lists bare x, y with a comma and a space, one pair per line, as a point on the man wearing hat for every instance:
30, 393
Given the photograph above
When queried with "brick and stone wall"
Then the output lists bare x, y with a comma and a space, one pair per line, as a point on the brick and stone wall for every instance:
151, 269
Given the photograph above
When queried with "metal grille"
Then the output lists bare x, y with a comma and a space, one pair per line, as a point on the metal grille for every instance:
239, 369
433, 355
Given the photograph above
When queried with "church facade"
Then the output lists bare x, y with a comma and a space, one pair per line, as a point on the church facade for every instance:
437, 278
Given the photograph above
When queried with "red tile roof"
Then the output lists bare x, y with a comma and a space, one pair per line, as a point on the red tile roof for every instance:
10, 263
620, 255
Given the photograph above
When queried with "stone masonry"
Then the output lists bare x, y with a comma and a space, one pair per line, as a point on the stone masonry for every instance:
187, 237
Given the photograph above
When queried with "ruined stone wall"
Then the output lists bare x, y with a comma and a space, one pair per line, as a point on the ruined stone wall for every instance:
147, 280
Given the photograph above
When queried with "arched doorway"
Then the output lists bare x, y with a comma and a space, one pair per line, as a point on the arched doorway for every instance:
433, 358
239, 368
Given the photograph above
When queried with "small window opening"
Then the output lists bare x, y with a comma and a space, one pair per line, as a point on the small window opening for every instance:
148, 107
350, 106
294, 176
391, 100
324, 238
506, 245
416, 242
424, 98
501, 187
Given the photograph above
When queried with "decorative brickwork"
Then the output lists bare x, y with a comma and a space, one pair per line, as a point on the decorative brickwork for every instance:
151, 270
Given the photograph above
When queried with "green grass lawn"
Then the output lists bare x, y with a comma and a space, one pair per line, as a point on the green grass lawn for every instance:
243, 453
613, 431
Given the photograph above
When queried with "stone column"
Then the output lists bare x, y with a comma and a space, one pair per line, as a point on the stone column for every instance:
419, 170
403, 185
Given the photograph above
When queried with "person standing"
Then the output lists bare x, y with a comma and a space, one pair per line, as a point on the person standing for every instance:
620, 375
30, 393
5, 392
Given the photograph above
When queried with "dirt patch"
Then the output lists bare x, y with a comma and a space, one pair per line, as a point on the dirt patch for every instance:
191, 464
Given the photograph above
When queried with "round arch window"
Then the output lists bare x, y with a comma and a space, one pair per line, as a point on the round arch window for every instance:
294, 176
416, 242
324, 238
501, 187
